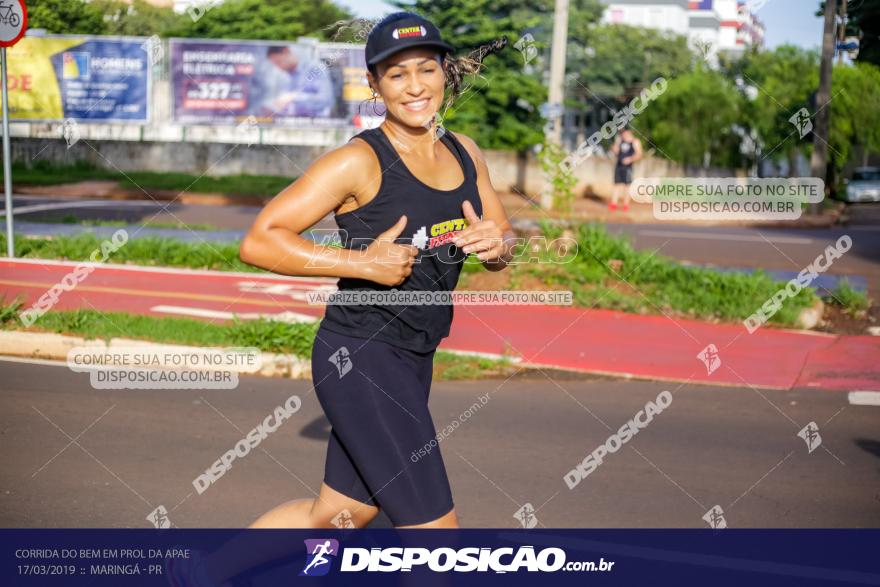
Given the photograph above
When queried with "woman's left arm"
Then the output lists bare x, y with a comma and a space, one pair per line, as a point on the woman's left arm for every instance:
639, 152
491, 236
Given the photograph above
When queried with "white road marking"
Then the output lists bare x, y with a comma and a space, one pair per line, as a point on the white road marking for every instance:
295, 291
494, 356
864, 398
292, 317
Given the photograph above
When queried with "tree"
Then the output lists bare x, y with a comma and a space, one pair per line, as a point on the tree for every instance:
66, 16
139, 18
780, 83
855, 117
693, 120
272, 20
501, 109
619, 60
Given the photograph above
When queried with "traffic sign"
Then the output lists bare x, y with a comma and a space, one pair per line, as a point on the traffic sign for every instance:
13, 22
850, 45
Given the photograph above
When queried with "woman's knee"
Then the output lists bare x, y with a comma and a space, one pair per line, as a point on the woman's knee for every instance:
344, 518
448, 520
332, 509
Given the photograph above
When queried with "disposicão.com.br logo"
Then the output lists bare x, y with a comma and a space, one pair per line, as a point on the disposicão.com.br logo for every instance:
322, 551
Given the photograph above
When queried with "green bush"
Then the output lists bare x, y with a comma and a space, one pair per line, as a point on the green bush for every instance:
850, 300
655, 284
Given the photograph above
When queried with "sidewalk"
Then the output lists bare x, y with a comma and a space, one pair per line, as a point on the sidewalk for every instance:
593, 341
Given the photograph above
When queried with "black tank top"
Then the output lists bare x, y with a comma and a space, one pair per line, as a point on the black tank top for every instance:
626, 150
434, 217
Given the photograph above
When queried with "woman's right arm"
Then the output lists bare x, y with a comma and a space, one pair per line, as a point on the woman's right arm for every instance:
615, 146
274, 242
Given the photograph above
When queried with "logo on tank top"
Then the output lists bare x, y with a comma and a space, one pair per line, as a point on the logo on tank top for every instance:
439, 234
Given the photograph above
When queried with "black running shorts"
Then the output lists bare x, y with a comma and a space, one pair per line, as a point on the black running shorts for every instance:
383, 449
623, 174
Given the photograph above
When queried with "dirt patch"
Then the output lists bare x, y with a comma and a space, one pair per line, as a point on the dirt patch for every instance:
111, 190
835, 320
486, 281
621, 287
80, 189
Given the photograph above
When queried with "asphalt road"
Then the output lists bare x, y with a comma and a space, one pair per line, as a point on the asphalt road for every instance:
80, 457
767, 248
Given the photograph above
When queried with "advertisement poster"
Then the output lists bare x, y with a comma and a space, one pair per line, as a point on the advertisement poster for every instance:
355, 90
286, 84
700, 5
83, 78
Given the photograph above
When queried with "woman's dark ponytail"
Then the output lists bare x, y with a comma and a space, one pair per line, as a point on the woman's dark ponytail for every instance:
457, 68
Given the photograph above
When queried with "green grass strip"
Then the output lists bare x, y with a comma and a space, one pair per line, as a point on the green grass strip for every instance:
266, 335
43, 173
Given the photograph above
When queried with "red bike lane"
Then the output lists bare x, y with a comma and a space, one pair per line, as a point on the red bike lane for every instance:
587, 340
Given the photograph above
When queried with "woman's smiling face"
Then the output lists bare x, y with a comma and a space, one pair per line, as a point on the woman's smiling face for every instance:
411, 84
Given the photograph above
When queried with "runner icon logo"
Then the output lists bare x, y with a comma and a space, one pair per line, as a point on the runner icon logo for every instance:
810, 435
710, 358
526, 516
319, 552
342, 360
715, 518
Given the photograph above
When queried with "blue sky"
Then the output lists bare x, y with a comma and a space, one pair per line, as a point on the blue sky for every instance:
793, 22
786, 21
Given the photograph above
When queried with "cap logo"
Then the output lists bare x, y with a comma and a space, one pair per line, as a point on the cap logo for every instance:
410, 31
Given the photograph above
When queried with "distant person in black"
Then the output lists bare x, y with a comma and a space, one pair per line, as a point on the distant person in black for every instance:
628, 150
412, 200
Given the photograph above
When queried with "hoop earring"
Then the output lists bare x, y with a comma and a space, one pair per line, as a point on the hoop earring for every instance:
375, 104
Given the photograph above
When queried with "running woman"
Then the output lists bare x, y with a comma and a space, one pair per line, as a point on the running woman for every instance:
628, 150
412, 200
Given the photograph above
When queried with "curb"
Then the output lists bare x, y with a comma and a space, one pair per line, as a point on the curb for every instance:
43, 345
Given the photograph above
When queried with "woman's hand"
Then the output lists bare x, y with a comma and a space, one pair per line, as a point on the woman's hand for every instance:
483, 237
386, 262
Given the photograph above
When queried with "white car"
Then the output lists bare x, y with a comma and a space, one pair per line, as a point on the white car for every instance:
864, 185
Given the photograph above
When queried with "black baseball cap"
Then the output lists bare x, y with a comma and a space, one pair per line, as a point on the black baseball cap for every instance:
399, 31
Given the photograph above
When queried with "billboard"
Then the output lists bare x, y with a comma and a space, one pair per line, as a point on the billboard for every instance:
94, 79
286, 84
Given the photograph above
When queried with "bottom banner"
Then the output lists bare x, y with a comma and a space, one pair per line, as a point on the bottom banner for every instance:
230, 558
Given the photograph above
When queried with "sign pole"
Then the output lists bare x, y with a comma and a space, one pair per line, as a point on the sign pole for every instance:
7, 161
13, 25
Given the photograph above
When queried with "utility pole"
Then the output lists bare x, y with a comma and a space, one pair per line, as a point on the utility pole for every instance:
819, 160
557, 83
557, 66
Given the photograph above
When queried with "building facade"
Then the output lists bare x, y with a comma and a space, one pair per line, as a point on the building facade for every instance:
712, 26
